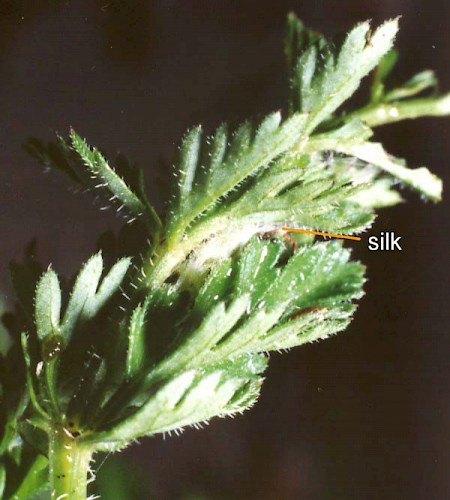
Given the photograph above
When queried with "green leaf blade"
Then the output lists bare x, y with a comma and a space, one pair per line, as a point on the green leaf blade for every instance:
48, 305
244, 158
191, 398
323, 87
189, 158
106, 176
83, 294
136, 342
89, 295
108, 287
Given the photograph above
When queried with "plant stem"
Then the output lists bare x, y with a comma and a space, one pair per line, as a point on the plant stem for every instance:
50, 376
69, 465
383, 113
162, 260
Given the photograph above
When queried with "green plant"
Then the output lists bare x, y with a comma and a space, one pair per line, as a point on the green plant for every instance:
181, 335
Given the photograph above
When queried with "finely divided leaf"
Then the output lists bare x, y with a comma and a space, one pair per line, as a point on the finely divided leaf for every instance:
262, 299
191, 398
108, 287
237, 308
86, 301
195, 349
325, 79
312, 191
224, 286
83, 292
309, 325
311, 197
204, 179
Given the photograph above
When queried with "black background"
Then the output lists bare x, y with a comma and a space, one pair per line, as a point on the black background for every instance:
364, 415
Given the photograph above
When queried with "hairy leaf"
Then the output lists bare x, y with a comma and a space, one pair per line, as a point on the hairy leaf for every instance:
99, 168
136, 341
242, 301
191, 398
88, 297
48, 305
219, 284
324, 78
121, 186
204, 180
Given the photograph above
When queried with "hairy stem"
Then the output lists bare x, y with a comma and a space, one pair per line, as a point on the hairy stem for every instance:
69, 465
161, 261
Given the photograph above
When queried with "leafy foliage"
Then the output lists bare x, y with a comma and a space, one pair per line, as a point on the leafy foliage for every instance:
122, 186
225, 167
262, 289
261, 300
323, 78
216, 284
417, 97
88, 297
351, 141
